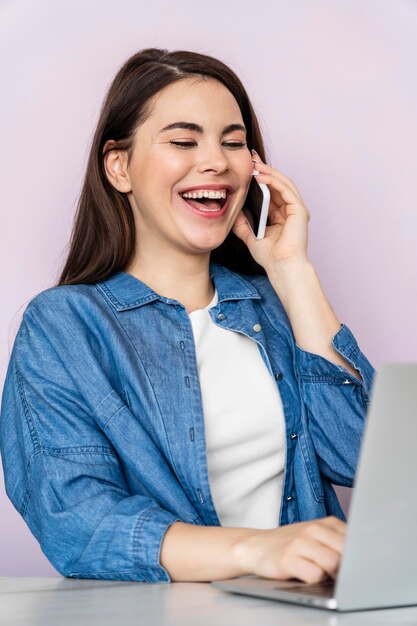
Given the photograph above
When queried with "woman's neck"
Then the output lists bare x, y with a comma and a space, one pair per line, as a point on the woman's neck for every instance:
183, 278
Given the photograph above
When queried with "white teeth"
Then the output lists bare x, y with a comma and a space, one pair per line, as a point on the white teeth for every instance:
216, 195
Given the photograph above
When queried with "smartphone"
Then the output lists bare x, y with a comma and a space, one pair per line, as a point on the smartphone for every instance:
262, 197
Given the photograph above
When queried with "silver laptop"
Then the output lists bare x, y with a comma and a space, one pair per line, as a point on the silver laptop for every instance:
378, 568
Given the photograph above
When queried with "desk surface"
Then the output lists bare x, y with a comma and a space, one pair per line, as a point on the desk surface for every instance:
59, 601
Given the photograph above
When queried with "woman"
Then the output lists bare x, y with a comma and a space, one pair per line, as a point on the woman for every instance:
179, 405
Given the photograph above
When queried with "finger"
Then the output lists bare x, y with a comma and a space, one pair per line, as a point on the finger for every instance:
268, 169
287, 195
324, 557
275, 176
335, 523
284, 198
305, 570
327, 536
277, 216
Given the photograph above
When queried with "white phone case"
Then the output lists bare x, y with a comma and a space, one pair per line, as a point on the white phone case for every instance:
264, 211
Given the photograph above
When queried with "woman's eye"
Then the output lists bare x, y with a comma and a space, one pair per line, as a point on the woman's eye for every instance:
235, 144
183, 144
190, 144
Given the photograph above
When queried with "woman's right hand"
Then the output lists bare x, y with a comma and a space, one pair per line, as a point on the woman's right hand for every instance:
309, 551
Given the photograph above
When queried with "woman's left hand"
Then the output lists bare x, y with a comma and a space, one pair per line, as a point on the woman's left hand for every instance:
286, 237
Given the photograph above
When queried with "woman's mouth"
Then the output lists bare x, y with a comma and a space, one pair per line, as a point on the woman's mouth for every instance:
208, 207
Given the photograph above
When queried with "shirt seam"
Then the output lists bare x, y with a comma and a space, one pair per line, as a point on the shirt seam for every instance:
116, 572
123, 306
76, 451
34, 435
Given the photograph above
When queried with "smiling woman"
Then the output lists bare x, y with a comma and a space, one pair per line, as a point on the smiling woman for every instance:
211, 155
143, 119
179, 405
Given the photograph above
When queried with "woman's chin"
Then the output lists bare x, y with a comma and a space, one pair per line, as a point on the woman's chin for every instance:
206, 244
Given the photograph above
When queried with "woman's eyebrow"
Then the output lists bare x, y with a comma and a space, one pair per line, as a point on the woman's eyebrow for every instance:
199, 129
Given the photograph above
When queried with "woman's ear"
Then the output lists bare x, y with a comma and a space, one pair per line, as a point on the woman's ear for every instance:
115, 166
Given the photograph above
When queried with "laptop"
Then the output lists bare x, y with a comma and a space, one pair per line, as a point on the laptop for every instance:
378, 568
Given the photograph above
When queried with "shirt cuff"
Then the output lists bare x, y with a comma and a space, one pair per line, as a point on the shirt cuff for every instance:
313, 367
149, 534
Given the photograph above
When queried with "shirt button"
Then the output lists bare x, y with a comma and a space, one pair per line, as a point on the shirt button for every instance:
257, 328
221, 316
278, 376
289, 498
293, 436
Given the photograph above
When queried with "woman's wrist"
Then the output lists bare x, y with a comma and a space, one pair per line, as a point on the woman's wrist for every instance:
313, 321
244, 552
200, 553
286, 274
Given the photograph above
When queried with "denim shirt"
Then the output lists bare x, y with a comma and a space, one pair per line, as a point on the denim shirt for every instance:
102, 426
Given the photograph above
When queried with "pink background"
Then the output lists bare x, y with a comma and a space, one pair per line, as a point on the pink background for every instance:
334, 86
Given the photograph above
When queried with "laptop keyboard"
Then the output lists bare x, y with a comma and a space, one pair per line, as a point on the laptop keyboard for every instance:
323, 590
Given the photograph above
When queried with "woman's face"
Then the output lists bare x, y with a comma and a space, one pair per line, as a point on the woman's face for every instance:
166, 161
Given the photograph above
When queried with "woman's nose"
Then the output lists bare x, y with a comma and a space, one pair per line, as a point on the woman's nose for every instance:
213, 158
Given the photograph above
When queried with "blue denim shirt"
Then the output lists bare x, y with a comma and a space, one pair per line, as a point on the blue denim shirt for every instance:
102, 426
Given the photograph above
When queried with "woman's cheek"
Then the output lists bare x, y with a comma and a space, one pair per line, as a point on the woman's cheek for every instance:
248, 168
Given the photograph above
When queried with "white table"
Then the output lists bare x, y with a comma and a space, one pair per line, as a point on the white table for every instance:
60, 601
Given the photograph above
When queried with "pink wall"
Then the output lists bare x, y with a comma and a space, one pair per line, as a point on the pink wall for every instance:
333, 84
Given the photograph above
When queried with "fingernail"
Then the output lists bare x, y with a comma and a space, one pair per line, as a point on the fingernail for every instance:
255, 172
254, 153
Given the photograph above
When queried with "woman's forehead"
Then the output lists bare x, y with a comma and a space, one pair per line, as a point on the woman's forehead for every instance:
194, 100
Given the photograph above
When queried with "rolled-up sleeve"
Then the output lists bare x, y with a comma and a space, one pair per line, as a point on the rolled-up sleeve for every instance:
94, 529
335, 404
72, 494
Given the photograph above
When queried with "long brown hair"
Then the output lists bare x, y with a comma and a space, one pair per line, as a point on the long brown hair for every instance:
103, 236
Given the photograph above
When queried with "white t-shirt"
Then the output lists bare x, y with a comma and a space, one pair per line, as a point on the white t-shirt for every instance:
244, 425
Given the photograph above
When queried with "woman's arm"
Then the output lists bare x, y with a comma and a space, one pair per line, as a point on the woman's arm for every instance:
61, 471
312, 319
335, 377
283, 255
309, 551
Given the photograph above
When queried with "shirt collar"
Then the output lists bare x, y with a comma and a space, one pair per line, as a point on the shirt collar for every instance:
125, 292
